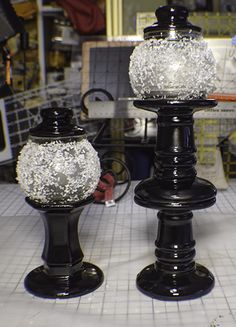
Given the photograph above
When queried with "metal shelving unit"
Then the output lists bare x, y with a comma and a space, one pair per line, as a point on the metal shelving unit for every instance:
43, 11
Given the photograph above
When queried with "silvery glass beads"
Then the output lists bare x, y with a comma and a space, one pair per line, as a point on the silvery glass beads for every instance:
179, 69
58, 171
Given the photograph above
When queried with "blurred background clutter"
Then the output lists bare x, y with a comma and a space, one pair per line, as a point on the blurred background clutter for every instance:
76, 54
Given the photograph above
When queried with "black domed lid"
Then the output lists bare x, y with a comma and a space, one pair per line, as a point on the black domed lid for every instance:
171, 17
57, 122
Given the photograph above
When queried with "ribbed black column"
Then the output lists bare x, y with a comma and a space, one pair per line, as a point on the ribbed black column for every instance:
175, 191
175, 150
175, 244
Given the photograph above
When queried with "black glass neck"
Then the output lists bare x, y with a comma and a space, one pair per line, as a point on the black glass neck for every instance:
171, 18
57, 122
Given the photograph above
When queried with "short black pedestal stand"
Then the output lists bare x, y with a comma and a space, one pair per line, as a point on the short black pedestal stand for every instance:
175, 191
63, 274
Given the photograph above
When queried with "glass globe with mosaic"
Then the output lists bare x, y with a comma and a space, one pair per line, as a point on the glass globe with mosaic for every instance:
173, 62
58, 164
58, 170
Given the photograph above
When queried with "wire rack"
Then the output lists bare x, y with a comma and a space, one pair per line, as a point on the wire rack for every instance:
21, 111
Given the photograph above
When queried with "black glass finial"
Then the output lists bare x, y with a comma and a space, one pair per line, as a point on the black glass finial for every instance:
56, 122
171, 17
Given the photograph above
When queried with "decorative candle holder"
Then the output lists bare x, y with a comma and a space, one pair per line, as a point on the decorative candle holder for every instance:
174, 189
58, 169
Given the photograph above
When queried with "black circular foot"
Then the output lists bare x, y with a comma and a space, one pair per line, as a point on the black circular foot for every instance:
175, 287
85, 281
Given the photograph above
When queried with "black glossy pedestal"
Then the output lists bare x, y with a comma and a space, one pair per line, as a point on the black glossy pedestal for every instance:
63, 274
175, 191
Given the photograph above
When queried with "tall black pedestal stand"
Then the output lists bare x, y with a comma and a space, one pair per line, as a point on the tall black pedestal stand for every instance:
175, 191
63, 274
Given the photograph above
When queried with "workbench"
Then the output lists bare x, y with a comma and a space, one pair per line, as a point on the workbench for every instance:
120, 240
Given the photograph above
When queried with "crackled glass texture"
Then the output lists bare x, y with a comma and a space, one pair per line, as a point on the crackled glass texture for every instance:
58, 172
180, 69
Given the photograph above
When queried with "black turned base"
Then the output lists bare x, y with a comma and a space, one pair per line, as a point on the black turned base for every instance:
163, 286
175, 190
84, 281
64, 274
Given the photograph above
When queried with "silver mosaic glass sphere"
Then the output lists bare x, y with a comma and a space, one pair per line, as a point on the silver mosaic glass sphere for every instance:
58, 172
181, 69
58, 165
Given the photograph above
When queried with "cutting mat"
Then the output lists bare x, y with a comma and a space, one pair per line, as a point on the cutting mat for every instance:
120, 240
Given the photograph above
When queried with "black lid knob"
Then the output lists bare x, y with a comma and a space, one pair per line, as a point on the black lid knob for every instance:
171, 17
57, 122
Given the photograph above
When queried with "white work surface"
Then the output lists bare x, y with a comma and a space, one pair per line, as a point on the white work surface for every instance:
120, 240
